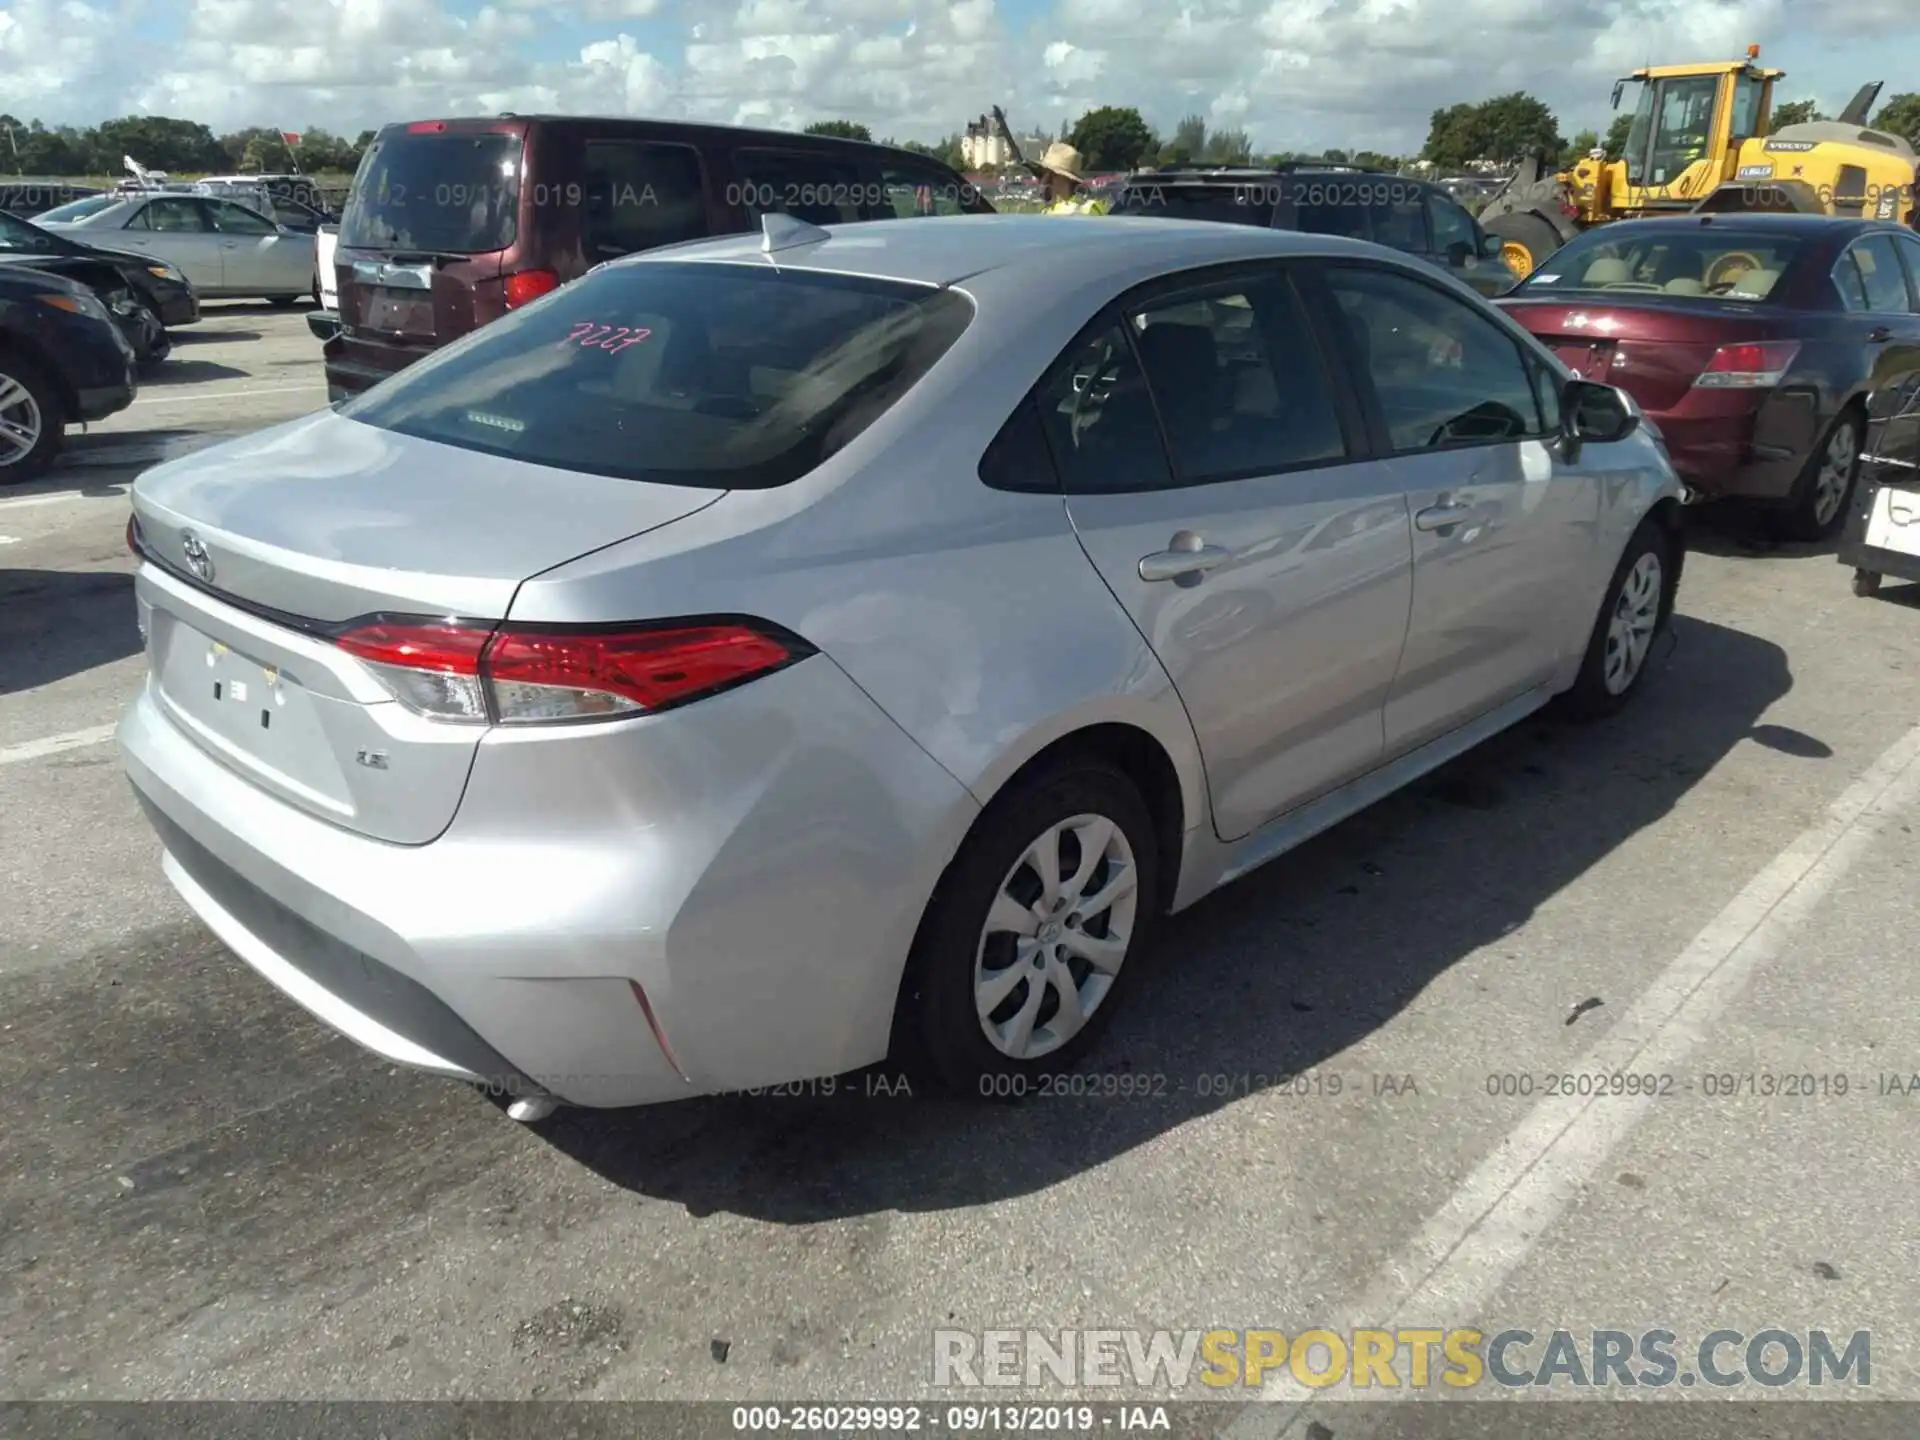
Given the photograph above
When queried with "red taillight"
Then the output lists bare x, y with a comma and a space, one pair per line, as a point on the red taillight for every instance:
1755, 365
133, 534
526, 286
525, 675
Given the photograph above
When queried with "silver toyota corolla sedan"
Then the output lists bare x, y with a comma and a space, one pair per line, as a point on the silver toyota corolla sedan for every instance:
227, 250
771, 654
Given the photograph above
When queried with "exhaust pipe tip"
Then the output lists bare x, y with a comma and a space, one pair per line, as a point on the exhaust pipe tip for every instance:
532, 1109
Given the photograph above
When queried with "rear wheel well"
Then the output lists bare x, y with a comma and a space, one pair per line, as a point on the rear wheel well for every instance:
18, 347
1670, 517
1143, 760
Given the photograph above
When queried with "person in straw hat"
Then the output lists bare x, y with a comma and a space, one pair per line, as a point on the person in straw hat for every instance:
1059, 171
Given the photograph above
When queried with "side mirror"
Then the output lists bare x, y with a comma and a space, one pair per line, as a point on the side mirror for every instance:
1595, 413
1459, 254
1492, 247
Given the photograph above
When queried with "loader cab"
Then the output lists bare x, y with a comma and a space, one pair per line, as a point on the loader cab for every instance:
1688, 124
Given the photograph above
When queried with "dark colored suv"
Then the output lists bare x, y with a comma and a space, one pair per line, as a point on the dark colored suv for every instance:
1327, 198
452, 223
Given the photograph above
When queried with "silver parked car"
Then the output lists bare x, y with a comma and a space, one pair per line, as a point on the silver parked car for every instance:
765, 653
225, 249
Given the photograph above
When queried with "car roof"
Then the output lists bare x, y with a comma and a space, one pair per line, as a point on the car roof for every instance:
947, 249
702, 128
1791, 224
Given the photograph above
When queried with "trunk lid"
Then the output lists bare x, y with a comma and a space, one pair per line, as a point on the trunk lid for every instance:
1653, 352
325, 520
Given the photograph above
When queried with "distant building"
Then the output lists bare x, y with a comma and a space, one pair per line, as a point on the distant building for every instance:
983, 147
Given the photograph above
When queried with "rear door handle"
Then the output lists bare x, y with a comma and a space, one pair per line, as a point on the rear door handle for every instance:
1171, 564
1439, 517
1879, 335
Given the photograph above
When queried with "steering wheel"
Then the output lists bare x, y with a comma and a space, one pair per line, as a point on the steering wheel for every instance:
1738, 262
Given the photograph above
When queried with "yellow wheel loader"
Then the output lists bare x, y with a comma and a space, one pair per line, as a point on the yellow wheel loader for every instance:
1699, 141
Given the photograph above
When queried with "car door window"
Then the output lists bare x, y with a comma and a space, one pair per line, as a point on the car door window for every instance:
913, 190
1848, 281
178, 216
1883, 280
1909, 248
1228, 410
819, 189
1452, 227
1443, 374
232, 219
639, 195
1099, 420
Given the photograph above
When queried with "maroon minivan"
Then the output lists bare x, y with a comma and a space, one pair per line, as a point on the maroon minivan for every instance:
451, 223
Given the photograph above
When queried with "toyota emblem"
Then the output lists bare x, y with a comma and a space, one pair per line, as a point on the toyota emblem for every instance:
198, 560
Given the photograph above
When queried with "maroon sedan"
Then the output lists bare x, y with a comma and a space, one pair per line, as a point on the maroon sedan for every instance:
1763, 346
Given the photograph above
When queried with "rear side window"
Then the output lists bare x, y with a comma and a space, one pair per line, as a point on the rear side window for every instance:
232, 219
914, 190
819, 189
639, 195
1882, 280
180, 217
712, 375
1384, 210
1099, 419
1250, 204
440, 191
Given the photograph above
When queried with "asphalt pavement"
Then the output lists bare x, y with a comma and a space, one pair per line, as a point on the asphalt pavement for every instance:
1343, 1103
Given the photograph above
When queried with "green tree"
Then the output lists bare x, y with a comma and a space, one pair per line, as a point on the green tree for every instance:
1899, 116
1335, 154
1229, 147
1579, 147
1518, 125
1374, 160
1616, 141
1795, 112
844, 129
160, 143
1455, 136
1112, 138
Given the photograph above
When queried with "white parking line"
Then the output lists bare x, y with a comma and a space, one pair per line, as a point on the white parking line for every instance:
54, 744
1458, 1260
203, 397
60, 499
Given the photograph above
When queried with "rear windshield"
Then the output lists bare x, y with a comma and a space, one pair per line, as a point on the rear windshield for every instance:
726, 376
1229, 204
1727, 264
78, 209
456, 194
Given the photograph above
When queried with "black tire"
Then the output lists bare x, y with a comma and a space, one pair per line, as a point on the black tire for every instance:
1536, 235
1866, 583
1800, 518
283, 301
1592, 697
939, 1035
52, 419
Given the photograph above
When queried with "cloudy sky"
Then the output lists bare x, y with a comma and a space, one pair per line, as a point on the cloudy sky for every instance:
1297, 74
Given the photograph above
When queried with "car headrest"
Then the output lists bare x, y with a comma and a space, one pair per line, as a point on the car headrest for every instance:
1684, 285
1607, 271
1756, 284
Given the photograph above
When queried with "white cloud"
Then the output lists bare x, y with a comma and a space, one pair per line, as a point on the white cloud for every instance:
1294, 73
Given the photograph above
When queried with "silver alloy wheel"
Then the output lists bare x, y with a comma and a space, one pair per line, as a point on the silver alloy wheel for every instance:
1056, 936
20, 421
1835, 475
1630, 629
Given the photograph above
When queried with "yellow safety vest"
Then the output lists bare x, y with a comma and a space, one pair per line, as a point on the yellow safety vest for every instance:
1089, 206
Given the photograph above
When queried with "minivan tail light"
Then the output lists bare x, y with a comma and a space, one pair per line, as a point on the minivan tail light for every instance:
540, 674
1752, 366
526, 286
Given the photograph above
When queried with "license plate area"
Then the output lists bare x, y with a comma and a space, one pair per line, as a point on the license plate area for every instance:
397, 312
250, 712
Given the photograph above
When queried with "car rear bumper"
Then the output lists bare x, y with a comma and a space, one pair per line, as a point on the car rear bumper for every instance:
755, 865
1756, 455
325, 324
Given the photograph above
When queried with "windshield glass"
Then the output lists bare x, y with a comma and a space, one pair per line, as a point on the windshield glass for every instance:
17, 237
1746, 107
1685, 126
1639, 133
1728, 264
459, 194
729, 376
78, 209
